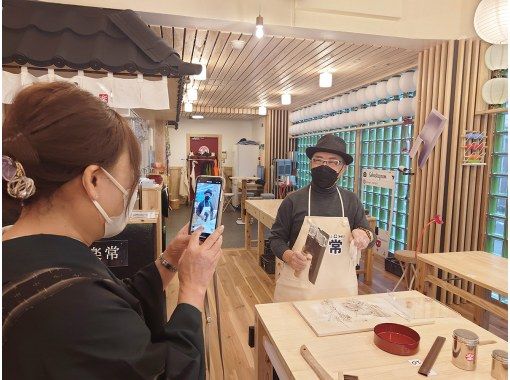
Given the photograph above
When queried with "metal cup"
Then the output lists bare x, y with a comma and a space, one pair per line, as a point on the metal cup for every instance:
464, 350
499, 370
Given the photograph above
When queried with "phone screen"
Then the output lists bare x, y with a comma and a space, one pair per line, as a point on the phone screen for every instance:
206, 205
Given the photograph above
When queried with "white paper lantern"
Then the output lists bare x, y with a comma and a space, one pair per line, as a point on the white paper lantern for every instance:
360, 96
496, 57
351, 99
360, 116
370, 93
380, 90
406, 82
491, 21
393, 87
495, 91
405, 107
380, 112
336, 103
392, 109
331, 105
370, 114
344, 101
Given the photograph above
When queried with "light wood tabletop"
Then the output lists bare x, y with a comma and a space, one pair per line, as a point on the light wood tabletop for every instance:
481, 268
280, 325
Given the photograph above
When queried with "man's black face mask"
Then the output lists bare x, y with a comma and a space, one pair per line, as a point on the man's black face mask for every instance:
324, 177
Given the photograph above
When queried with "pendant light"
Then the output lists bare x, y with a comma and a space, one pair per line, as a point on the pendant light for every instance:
325, 79
188, 107
491, 21
259, 27
203, 73
286, 99
192, 94
262, 111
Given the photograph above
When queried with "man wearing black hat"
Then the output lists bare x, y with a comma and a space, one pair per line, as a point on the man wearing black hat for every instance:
322, 198
205, 208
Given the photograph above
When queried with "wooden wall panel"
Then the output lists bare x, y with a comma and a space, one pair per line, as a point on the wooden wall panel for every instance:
277, 142
451, 75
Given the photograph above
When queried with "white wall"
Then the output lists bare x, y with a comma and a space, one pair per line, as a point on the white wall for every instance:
231, 132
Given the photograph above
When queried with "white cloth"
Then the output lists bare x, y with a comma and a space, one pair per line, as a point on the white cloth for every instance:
192, 176
183, 183
121, 92
337, 272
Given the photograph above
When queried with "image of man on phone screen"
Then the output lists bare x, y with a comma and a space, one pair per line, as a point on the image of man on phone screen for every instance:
205, 208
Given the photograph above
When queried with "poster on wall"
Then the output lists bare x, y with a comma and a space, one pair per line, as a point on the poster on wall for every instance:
384, 179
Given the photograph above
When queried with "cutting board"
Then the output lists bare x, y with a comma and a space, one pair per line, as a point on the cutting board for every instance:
352, 315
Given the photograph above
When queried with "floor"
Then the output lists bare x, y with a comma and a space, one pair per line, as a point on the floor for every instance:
243, 284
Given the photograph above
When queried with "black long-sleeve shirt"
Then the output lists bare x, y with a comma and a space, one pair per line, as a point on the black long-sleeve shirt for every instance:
88, 331
324, 202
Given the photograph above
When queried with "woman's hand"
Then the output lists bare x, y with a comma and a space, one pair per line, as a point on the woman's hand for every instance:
197, 266
360, 238
179, 243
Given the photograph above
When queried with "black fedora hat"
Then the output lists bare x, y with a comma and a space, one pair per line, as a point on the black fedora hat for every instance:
331, 144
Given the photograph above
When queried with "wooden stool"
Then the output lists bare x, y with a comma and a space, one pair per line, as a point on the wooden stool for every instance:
407, 261
227, 200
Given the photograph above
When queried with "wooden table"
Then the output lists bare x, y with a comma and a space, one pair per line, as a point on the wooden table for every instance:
265, 210
280, 325
486, 271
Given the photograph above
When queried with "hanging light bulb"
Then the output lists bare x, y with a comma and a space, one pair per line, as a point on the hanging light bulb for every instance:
286, 99
325, 79
262, 111
192, 94
188, 107
259, 27
203, 73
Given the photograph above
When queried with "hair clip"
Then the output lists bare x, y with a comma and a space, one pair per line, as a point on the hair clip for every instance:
19, 186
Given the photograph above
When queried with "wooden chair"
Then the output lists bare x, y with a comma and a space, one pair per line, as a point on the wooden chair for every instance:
407, 261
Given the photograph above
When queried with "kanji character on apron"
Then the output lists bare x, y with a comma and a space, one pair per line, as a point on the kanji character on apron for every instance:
336, 275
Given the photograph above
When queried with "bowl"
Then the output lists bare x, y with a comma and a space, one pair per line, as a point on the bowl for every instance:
396, 339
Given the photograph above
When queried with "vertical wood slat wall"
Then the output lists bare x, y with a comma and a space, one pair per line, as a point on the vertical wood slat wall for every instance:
451, 78
277, 142
433, 92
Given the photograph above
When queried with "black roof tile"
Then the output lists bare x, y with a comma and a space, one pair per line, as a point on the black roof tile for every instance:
46, 34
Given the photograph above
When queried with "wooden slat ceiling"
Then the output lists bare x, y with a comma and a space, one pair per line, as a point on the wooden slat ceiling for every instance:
265, 68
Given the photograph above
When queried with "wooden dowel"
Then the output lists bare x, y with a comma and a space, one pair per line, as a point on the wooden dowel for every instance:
445, 143
312, 362
450, 243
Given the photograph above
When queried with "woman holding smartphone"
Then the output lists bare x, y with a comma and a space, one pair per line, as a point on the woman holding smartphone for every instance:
73, 164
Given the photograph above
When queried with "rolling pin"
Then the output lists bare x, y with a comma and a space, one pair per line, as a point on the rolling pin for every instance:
317, 368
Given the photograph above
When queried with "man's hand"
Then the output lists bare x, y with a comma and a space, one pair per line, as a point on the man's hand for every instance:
360, 238
296, 260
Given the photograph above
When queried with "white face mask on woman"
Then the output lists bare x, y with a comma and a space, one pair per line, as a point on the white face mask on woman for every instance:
116, 224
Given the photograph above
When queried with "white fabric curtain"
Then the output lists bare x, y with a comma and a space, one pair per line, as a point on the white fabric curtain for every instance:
117, 92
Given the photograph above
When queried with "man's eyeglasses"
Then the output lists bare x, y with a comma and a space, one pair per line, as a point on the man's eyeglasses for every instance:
330, 163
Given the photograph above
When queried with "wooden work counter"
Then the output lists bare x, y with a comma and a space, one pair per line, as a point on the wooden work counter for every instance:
265, 210
280, 325
488, 273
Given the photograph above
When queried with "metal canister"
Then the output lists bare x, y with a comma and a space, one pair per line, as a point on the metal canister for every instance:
499, 369
464, 350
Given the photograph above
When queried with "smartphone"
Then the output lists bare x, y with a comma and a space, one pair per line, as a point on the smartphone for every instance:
207, 205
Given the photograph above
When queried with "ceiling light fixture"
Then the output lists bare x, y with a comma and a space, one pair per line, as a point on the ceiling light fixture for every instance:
325, 79
286, 99
259, 27
197, 117
203, 73
188, 107
262, 111
192, 94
